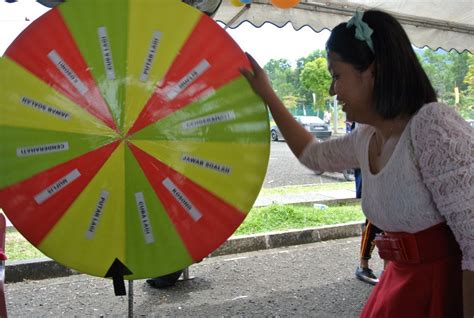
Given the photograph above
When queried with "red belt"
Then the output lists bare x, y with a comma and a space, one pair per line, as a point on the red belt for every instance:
426, 246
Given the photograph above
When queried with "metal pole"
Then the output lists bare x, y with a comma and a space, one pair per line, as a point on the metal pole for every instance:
186, 273
242, 11
335, 113
130, 298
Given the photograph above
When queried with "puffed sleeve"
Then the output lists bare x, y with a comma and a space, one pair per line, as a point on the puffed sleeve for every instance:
443, 144
332, 155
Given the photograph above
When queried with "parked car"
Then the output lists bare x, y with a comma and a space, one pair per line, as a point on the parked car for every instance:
313, 124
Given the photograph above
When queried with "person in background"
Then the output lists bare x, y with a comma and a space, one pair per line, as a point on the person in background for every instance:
417, 161
363, 272
165, 281
327, 117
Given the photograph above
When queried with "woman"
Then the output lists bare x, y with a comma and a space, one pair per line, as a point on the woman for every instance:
416, 157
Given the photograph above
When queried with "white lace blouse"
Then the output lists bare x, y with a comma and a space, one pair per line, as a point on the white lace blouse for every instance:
429, 178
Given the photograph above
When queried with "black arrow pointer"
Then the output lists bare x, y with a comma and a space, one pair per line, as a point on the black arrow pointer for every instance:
117, 271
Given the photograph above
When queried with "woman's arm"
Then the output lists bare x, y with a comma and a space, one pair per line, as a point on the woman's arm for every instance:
296, 136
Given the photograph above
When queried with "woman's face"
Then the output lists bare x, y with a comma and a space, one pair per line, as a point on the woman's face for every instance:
354, 89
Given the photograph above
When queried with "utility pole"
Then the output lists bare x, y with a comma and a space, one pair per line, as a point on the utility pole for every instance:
335, 113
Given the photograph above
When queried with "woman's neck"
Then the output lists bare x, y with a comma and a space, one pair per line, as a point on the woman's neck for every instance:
388, 128
384, 141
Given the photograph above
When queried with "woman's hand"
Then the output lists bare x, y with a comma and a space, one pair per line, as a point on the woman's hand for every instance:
295, 135
258, 80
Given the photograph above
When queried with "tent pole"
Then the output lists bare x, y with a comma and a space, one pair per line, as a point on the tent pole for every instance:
245, 8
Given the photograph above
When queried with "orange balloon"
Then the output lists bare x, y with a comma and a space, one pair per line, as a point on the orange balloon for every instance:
285, 4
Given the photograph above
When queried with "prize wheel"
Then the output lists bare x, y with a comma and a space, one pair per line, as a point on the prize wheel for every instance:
130, 143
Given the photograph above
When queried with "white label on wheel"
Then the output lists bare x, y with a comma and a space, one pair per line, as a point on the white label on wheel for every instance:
209, 120
206, 164
187, 80
182, 199
106, 52
155, 41
144, 218
53, 111
97, 214
42, 149
67, 71
57, 186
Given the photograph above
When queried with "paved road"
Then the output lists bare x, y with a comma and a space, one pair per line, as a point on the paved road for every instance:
312, 280
284, 169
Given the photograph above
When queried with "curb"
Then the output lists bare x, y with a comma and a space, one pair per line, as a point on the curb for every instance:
249, 243
45, 268
312, 202
325, 202
36, 269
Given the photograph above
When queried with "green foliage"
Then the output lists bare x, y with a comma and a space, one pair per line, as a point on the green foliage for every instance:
311, 57
287, 80
467, 96
315, 77
447, 70
280, 74
291, 101
305, 95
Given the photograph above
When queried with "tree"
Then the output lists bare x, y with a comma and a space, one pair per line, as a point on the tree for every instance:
311, 57
447, 70
467, 95
280, 74
434, 64
290, 101
315, 77
305, 96
286, 81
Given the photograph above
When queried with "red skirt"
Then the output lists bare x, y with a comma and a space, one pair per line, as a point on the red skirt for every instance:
422, 279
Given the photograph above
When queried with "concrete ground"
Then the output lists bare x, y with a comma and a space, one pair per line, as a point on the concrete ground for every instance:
309, 280
306, 272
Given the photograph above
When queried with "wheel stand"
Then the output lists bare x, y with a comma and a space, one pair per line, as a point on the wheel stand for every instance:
130, 298
185, 277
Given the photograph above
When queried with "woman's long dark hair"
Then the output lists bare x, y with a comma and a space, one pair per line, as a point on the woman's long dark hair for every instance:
401, 85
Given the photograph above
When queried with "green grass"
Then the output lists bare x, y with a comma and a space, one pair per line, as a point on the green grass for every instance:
259, 220
286, 217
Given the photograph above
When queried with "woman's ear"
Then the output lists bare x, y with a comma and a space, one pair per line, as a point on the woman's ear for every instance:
371, 68
369, 75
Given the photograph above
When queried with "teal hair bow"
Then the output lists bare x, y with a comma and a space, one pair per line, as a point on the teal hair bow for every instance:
363, 32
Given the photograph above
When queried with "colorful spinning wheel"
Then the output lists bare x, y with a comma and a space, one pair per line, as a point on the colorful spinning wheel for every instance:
129, 142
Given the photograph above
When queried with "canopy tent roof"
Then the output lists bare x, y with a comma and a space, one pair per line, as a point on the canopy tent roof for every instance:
433, 23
